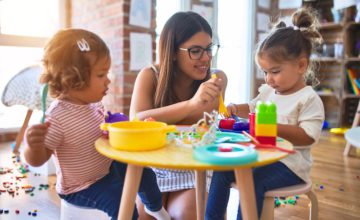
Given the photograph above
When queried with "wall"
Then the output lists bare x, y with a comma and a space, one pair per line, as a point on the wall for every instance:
110, 20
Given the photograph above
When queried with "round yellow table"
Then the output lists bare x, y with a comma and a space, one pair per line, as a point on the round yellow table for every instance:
176, 157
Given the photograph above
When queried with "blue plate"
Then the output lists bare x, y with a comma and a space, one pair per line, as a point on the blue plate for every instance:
233, 137
238, 156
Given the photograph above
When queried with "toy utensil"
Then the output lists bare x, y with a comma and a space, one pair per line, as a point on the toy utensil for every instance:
222, 107
251, 138
44, 93
221, 140
257, 144
237, 118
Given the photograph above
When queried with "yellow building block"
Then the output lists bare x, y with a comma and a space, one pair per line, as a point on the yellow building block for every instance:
268, 130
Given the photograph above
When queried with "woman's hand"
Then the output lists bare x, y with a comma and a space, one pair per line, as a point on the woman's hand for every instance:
208, 92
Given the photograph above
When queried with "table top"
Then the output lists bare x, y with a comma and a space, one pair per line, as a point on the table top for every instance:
173, 156
353, 136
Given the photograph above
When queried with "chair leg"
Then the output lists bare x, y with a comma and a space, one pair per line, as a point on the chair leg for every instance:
354, 124
314, 210
20, 135
267, 212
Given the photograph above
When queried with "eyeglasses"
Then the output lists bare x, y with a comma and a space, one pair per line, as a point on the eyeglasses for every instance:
196, 52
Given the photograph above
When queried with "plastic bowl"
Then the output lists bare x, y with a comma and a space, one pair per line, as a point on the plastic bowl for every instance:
138, 135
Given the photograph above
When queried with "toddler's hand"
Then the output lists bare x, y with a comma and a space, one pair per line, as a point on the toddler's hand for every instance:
231, 109
35, 135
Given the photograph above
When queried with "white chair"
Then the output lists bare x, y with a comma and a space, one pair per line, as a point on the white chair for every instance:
354, 125
73, 212
24, 89
306, 188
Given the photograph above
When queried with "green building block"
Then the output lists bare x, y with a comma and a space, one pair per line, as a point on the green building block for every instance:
265, 113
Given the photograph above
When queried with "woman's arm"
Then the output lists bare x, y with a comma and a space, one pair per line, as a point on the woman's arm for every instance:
143, 96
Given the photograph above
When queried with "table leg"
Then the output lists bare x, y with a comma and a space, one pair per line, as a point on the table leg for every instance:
200, 177
131, 187
245, 184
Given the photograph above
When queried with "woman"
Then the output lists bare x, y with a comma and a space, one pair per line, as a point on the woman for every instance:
177, 91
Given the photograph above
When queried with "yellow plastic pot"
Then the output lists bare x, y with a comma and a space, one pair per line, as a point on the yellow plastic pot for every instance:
137, 135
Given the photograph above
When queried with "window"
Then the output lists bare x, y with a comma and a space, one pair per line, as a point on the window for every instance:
235, 56
24, 27
233, 28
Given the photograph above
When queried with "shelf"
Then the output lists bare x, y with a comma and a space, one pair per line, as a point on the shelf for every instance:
352, 59
327, 59
326, 94
331, 26
350, 96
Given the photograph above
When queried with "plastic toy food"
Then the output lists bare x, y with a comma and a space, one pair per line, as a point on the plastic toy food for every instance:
241, 126
226, 123
116, 117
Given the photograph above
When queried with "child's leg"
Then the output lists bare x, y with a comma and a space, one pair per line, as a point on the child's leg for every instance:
105, 194
219, 195
270, 177
151, 196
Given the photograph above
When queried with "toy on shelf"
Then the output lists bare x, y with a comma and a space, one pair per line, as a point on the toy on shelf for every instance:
265, 123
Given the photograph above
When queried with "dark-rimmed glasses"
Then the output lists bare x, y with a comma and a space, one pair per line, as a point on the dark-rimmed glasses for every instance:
196, 52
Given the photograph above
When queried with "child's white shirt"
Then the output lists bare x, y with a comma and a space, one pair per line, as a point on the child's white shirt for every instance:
303, 108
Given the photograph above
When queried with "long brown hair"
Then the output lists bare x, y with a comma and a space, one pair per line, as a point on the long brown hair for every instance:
179, 28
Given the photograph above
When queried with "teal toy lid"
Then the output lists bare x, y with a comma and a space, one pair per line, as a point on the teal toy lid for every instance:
230, 137
225, 154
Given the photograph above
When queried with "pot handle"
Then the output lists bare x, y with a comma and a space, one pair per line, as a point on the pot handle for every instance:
104, 126
169, 128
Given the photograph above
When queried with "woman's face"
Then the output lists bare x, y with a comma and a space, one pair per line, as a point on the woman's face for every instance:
195, 69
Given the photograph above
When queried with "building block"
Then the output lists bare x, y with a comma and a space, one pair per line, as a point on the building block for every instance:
266, 123
266, 140
266, 130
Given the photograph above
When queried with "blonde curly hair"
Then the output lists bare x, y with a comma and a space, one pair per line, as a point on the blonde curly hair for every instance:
66, 65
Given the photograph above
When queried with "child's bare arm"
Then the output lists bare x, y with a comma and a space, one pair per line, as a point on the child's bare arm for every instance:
295, 134
36, 154
241, 110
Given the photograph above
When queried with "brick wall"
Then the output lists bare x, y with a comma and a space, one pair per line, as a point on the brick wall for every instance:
110, 20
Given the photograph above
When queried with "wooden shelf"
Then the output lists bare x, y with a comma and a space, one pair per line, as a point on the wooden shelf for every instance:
350, 96
331, 26
327, 59
352, 59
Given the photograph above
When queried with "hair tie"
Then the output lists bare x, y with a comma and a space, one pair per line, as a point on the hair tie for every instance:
83, 45
296, 28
